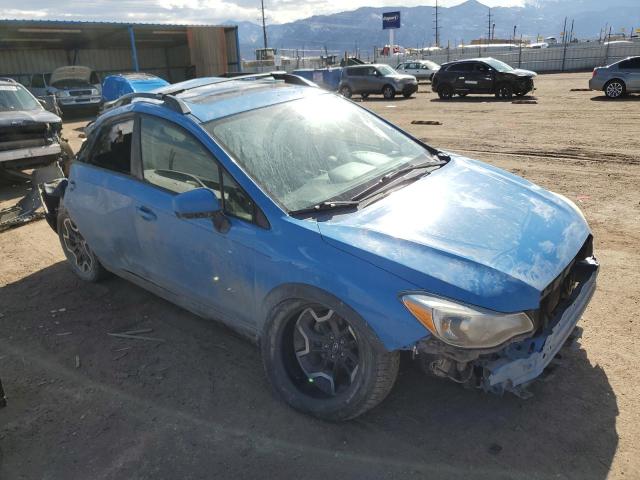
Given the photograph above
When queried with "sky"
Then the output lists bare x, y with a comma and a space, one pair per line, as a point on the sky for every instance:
198, 11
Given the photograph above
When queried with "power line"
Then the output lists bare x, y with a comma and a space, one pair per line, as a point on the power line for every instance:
437, 25
264, 26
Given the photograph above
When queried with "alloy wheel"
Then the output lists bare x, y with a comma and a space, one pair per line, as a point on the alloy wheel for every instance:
614, 90
77, 247
326, 349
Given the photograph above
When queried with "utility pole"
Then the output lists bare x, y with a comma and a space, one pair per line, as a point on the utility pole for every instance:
264, 25
437, 25
489, 32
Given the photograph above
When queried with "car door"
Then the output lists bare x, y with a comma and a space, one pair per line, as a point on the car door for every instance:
631, 73
99, 194
464, 79
213, 270
485, 76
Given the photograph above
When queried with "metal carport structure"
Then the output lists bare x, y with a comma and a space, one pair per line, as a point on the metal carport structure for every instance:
174, 52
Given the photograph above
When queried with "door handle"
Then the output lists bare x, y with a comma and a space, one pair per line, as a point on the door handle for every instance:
146, 213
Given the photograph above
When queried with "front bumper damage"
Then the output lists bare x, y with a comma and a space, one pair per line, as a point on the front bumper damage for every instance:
512, 367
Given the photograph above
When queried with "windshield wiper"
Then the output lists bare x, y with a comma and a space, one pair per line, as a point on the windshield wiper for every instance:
388, 177
327, 205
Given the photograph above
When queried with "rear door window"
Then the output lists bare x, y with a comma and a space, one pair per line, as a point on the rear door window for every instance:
631, 64
112, 149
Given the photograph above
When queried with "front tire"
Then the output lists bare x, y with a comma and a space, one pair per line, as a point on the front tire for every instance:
345, 91
324, 361
615, 89
81, 258
388, 92
504, 92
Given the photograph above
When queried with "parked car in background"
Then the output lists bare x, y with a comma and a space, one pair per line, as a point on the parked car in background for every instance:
115, 86
331, 237
376, 79
29, 134
484, 76
421, 69
617, 79
76, 88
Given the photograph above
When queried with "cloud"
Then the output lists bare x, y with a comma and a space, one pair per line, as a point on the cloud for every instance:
196, 11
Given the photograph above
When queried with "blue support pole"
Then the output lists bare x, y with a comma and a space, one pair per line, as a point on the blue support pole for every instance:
134, 51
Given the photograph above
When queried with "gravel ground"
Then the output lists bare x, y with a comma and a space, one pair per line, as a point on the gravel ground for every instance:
84, 405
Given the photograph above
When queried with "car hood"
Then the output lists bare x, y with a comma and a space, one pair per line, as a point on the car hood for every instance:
13, 118
467, 231
402, 77
523, 73
70, 73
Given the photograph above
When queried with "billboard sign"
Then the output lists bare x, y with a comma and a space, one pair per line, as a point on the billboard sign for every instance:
390, 20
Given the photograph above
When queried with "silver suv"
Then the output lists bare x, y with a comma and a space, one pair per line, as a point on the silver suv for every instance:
376, 79
618, 78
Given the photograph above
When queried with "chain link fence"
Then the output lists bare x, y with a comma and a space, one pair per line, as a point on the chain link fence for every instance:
560, 58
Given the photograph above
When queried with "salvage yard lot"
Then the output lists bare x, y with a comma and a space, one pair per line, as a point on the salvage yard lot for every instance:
85, 405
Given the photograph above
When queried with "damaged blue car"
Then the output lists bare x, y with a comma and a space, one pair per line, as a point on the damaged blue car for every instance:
331, 237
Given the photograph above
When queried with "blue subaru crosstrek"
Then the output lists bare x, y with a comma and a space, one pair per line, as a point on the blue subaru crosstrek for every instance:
328, 235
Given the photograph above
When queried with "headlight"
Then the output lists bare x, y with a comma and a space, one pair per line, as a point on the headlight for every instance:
62, 93
94, 91
465, 326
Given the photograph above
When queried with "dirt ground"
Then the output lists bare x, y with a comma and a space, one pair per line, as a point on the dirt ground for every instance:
84, 405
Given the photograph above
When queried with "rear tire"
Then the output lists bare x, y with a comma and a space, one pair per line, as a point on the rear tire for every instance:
445, 92
81, 258
301, 339
615, 89
388, 92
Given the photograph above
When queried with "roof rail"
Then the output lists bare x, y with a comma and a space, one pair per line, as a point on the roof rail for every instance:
171, 101
287, 77
8, 79
168, 95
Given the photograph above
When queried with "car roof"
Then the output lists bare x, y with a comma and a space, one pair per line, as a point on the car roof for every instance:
479, 59
213, 98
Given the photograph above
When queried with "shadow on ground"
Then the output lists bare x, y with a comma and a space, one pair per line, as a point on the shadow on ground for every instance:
197, 405
482, 99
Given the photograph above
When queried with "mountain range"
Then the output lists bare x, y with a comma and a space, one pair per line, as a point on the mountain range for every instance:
362, 28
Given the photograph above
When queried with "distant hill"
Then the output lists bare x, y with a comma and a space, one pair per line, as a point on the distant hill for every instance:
361, 28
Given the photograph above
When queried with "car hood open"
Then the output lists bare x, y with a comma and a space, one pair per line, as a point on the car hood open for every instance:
467, 231
70, 73
18, 118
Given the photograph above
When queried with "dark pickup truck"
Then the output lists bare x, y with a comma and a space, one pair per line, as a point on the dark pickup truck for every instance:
481, 75
29, 135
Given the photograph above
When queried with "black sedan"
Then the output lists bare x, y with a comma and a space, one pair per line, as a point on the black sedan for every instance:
481, 75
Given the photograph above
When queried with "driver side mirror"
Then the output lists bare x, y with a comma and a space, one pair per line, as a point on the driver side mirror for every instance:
201, 203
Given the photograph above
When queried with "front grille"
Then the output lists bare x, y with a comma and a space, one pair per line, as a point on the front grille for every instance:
14, 137
78, 93
562, 287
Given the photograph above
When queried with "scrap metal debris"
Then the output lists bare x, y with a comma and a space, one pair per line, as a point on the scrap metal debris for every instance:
135, 335
425, 122
27, 209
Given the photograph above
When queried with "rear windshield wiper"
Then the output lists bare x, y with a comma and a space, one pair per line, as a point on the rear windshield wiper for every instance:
387, 178
327, 205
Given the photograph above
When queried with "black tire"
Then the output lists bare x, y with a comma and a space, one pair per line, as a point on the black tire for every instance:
345, 91
81, 258
318, 389
364, 96
615, 89
504, 91
388, 92
445, 92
